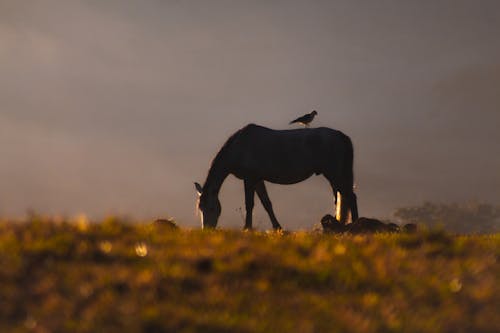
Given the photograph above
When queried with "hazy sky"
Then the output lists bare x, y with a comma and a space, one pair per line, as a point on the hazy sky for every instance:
118, 106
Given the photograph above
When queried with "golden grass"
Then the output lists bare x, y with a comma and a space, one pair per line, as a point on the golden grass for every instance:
118, 276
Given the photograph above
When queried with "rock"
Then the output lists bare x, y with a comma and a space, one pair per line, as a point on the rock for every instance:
331, 225
393, 227
410, 227
367, 225
166, 223
362, 225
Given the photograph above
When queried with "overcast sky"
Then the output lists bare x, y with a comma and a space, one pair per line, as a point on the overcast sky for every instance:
116, 107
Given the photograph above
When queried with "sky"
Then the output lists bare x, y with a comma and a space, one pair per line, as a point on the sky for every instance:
117, 107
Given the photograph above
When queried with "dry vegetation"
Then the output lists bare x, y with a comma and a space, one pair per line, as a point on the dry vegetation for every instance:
464, 217
117, 276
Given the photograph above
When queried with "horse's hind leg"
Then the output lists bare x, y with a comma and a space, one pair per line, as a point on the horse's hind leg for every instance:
348, 202
336, 197
344, 208
345, 201
260, 188
249, 202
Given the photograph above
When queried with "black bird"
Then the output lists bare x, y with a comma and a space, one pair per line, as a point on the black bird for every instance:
305, 119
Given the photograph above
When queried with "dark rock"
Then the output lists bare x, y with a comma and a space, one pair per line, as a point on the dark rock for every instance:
410, 227
331, 225
166, 223
367, 225
393, 227
363, 225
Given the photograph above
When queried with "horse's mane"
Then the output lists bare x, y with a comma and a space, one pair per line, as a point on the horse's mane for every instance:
217, 158
227, 144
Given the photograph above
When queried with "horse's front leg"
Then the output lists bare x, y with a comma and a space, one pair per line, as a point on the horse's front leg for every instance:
260, 188
249, 202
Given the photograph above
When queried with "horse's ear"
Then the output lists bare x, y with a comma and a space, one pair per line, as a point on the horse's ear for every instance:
198, 187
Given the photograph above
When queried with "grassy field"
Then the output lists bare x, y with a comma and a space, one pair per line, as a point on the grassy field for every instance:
116, 276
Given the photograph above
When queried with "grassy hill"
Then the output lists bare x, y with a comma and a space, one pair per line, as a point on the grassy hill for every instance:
118, 276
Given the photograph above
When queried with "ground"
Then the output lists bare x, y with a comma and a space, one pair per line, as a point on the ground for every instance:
116, 275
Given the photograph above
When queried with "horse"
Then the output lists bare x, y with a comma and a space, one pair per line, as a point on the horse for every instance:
257, 154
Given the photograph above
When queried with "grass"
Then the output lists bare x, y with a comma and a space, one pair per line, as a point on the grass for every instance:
118, 276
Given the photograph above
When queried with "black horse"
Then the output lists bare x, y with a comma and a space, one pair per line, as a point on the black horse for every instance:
256, 154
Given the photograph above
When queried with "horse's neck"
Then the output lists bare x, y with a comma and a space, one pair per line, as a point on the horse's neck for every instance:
216, 176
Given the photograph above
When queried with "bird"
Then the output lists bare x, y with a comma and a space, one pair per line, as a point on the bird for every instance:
305, 119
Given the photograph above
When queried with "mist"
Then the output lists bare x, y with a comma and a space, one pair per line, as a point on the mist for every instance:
117, 107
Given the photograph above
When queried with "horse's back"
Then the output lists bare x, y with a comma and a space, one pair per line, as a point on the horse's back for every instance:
285, 155
315, 140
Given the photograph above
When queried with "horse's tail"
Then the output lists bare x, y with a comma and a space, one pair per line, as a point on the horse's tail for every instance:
348, 175
348, 162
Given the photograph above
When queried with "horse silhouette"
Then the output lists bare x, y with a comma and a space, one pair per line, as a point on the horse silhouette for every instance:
256, 154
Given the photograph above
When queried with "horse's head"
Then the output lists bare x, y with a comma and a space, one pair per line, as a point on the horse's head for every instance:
209, 206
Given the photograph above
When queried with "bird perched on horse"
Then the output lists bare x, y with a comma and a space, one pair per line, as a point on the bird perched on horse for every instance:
305, 119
